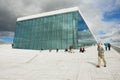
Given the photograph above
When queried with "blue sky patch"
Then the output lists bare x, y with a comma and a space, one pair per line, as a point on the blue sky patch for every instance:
113, 15
6, 39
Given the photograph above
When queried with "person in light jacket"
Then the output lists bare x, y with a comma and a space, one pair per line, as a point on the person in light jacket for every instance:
100, 55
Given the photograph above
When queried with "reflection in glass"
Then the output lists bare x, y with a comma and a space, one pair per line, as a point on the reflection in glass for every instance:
85, 37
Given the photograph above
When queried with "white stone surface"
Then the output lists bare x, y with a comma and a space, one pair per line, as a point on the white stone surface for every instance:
19, 64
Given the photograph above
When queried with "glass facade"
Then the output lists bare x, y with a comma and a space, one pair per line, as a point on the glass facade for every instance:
85, 37
52, 32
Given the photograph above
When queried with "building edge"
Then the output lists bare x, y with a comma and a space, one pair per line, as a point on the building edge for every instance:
60, 11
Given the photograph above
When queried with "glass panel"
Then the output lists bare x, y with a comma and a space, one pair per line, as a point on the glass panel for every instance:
85, 37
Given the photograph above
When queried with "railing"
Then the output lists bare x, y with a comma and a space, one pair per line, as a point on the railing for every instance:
116, 48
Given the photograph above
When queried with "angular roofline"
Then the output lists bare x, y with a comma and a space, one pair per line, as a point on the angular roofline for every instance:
66, 10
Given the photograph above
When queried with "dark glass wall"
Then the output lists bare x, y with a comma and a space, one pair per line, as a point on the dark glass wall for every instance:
50, 32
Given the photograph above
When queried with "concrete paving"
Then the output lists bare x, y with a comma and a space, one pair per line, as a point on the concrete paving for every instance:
17, 64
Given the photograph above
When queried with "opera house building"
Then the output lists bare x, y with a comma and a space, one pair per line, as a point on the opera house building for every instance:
53, 30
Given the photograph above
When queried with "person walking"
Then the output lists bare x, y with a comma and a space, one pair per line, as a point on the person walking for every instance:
82, 50
100, 55
109, 46
71, 48
106, 46
57, 50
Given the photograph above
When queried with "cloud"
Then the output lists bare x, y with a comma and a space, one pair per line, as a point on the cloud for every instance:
112, 37
118, 2
6, 33
113, 15
93, 11
94, 15
117, 33
10, 10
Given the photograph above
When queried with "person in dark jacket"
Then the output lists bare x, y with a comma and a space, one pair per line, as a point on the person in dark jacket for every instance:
109, 46
71, 48
82, 50
57, 50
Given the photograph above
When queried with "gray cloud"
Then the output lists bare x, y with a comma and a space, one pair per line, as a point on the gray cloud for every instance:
7, 18
59, 4
113, 38
6, 33
10, 10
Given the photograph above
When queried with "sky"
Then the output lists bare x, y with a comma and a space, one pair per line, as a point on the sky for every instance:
102, 16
